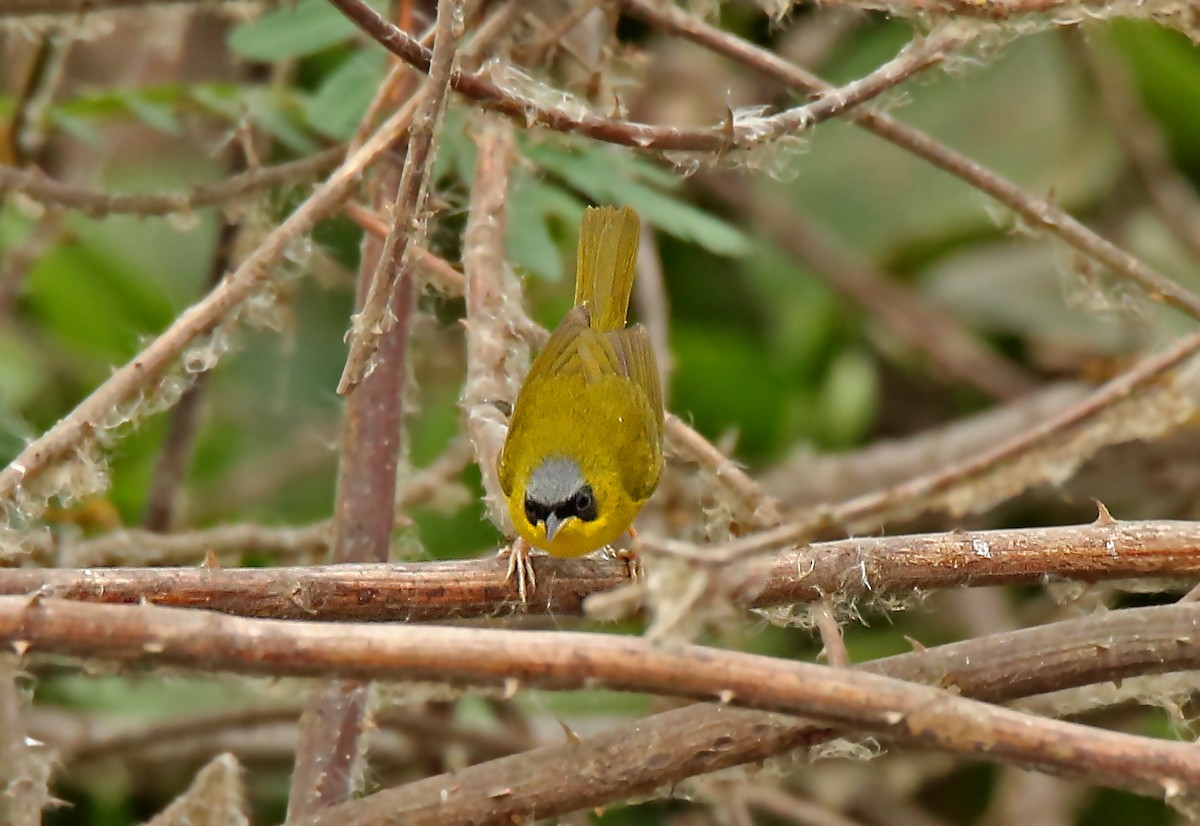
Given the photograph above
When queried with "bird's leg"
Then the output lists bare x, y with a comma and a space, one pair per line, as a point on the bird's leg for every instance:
520, 566
633, 562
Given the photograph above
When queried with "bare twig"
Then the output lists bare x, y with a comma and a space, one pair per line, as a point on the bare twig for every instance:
735, 134
1063, 11
33, 184
497, 354
900, 711
171, 469
1175, 198
24, 771
810, 478
1150, 399
441, 274
39, 8
650, 294
88, 419
938, 336
845, 572
372, 320
1038, 213
215, 796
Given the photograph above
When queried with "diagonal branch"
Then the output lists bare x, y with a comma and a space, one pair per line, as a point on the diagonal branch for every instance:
372, 319
1037, 213
741, 135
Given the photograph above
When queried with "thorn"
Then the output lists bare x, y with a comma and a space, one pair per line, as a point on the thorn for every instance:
726, 696
21, 646
1103, 517
572, 737
210, 560
917, 646
511, 686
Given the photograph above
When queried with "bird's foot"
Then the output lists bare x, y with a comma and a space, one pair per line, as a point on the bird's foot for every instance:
520, 567
633, 562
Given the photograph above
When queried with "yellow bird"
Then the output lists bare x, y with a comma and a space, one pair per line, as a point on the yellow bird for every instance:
584, 445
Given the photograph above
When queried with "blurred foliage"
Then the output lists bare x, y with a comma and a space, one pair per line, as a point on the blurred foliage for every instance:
764, 349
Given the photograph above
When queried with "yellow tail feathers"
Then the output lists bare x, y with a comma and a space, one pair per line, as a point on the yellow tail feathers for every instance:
607, 263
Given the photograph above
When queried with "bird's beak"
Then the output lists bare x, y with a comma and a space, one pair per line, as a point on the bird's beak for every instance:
553, 523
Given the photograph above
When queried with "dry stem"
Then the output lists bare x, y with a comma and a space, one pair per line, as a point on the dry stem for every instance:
901, 711
1038, 213
846, 572
493, 95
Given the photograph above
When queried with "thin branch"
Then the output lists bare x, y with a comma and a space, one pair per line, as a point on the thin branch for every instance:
24, 771
1174, 196
1152, 398
808, 478
650, 296
938, 336
441, 273
35, 185
215, 796
900, 711
1063, 11
845, 572
170, 471
372, 320
42, 8
88, 419
735, 134
1037, 213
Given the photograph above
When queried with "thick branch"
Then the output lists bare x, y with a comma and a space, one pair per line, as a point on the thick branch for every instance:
846, 571
900, 711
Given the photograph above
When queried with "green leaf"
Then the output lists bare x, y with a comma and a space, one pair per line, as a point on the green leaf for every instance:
598, 173
152, 113
295, 31
268, 114
532, 205
339, 105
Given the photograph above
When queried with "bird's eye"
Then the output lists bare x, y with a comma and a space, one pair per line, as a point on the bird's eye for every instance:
584, 504
535, 512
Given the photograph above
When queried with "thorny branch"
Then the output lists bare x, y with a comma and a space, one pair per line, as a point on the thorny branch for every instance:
1038, 213
848, 571
494, 96
394, 271
900, 711
497, 355
35, 185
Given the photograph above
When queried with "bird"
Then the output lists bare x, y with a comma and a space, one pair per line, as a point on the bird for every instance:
584, 449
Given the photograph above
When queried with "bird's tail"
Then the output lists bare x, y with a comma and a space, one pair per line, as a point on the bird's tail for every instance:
608, 247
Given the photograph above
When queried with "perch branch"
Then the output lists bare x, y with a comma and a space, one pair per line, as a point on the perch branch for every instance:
847, 571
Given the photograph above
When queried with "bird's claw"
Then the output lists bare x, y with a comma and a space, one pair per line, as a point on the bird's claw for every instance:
633, 563
520, 567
